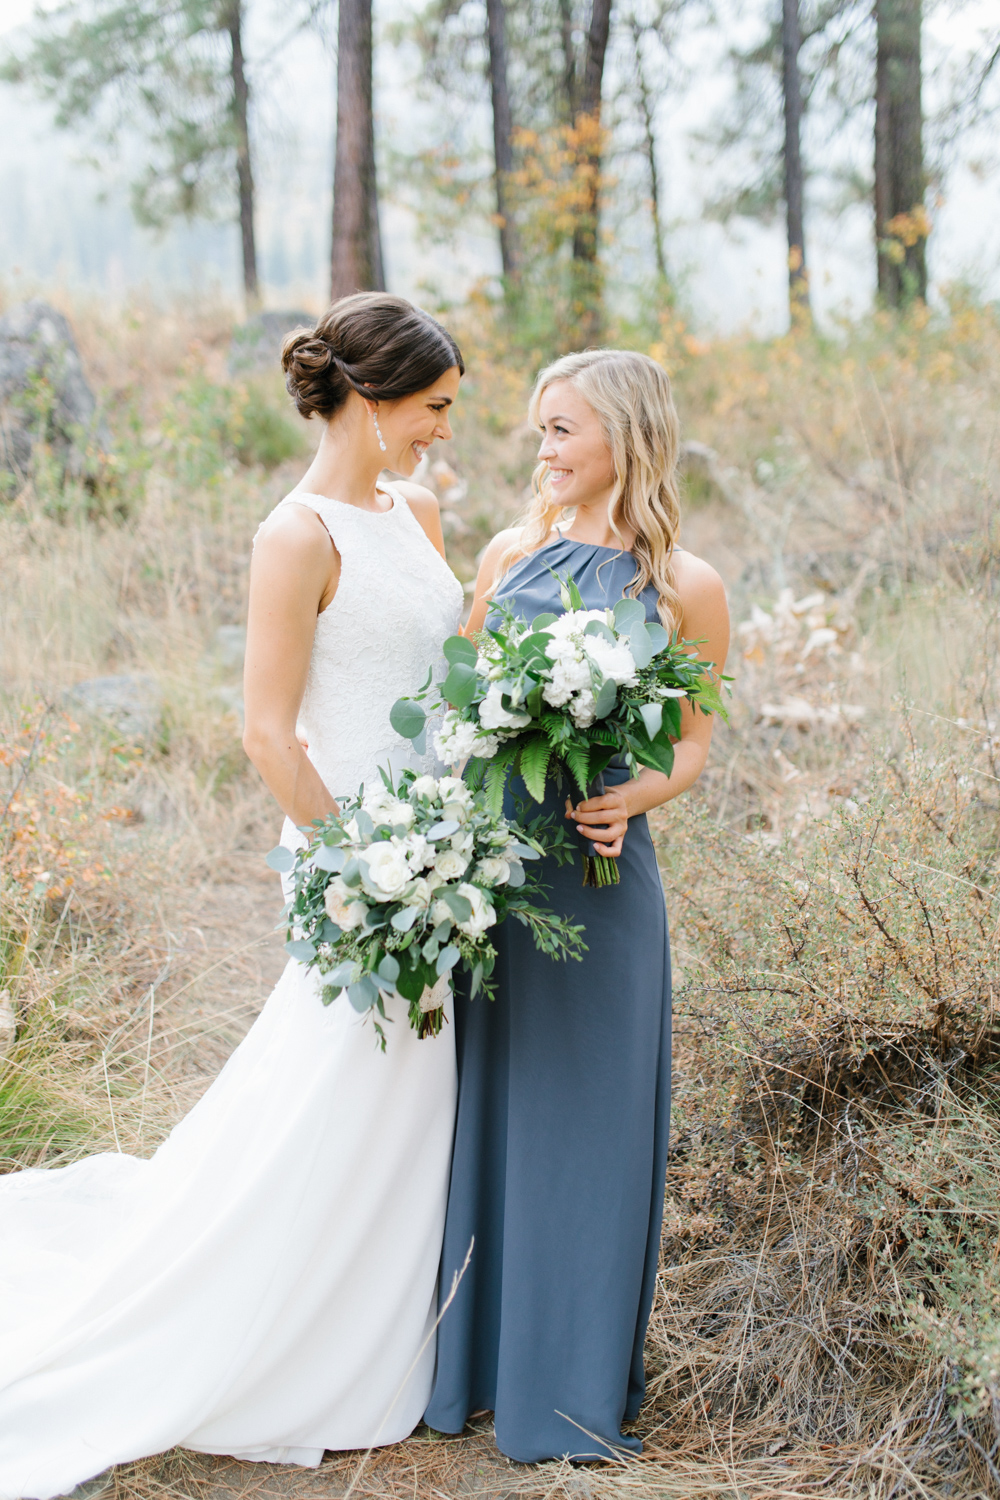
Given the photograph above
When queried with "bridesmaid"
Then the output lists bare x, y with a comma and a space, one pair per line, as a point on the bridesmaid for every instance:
564, 1081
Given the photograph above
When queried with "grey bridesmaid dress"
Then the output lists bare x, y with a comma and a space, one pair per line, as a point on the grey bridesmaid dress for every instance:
561, 1137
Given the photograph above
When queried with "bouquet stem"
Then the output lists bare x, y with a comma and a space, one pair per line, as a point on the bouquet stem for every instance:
598, 869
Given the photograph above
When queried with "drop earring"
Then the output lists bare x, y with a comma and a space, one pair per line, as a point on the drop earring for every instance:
378, 430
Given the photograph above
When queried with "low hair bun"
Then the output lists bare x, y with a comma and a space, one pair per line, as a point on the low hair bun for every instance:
380, 346
312, 377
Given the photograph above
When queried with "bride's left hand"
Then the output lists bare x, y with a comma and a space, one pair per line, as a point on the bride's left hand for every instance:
608, 813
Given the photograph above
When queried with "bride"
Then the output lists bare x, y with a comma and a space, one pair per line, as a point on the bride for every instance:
264, 1286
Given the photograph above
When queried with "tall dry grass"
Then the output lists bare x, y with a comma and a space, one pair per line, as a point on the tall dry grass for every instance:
826, 1318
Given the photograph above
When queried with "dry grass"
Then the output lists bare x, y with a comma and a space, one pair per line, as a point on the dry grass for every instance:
827, 1318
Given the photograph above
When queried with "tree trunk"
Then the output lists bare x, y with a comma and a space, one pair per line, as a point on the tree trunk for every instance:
900, 222
503, 128
356, 252
587, 279
647, 104
569, 60
244, 170
798, 279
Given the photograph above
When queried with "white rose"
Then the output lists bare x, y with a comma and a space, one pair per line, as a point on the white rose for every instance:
616, 662
450, 864
341, 907
419, 893
463, 842
483, 914
424, 786
352, 830
493, 715
434, 880
399, 814
492, 871
454, 789
455, 811
384, 868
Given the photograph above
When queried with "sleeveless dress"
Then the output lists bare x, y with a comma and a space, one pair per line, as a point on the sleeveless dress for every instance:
561, 1136
265, 1285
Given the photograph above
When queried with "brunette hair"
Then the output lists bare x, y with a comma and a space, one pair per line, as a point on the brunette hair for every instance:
380, 346
631, 395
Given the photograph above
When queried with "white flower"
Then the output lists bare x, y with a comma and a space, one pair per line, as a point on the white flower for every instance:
568, 677
352, 830
483, 914
492, 871
582, 709
419, 893
454, 789
615, 662
493, 715
434, 880
418, 851
457, 739
463, 842
424, 786
399, 814
384, 868
441, 912
450, 864
341, 907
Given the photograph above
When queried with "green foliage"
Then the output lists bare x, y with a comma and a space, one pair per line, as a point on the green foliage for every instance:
208, 427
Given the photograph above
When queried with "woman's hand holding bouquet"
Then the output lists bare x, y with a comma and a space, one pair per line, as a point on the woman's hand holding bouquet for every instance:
563, 696
403, 884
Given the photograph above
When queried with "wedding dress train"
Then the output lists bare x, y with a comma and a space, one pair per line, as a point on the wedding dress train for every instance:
265, 1285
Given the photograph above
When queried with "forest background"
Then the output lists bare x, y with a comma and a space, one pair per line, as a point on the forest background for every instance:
827, 1319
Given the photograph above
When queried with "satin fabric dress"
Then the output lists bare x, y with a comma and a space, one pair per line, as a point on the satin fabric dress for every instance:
561, 1137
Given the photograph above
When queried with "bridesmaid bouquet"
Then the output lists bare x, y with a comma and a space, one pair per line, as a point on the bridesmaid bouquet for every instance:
403, 885
563, 696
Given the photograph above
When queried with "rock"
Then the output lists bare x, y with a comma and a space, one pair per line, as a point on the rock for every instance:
44, 396
257, 343
132, 702
8, 1023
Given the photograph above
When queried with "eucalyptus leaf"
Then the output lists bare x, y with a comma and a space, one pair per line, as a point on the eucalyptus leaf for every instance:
351, 873
459, 648
605, 700
404, 919
459, 906
652, 717
516, 876
328, 857
302, 949
629, 612
420, 742
447, 959
477, 979
442, 830
523, 851
442, 931
460, 685
328, 931
345, 973
659, 637
640, 645
430, 949
407, 718
540, 622
365, 822
362, 993
598, 627
388, 969
280, 859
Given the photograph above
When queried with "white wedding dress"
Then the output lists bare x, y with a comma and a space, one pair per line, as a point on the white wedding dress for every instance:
265, 1285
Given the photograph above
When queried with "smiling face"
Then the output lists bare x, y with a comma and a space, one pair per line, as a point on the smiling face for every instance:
581, 471
411, 424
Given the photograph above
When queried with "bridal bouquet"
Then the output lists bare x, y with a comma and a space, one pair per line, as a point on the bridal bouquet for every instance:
401, 886
565, 694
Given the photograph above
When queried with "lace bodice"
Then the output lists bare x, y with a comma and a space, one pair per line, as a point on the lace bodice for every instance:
396, 602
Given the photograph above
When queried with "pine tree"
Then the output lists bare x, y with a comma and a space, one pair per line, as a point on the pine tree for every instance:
356, 249
174, 69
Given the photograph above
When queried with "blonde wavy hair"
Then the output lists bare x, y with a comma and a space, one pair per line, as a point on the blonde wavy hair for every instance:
631, 396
